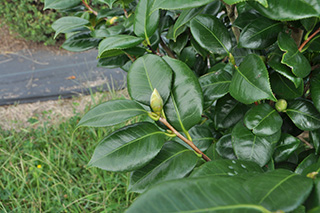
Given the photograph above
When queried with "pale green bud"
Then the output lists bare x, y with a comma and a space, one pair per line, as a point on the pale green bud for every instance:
156, 102
281, 105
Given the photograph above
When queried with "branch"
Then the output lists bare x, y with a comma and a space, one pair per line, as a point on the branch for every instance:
232, 14
309, 38
165, 122
167, 49
89, 8
304, 141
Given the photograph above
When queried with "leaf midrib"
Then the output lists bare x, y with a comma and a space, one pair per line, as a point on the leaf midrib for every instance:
230, 207
126, 144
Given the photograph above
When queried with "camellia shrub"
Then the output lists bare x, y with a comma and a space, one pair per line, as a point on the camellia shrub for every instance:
230, 91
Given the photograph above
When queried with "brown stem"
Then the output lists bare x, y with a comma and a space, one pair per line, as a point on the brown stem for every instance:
309, 38
304, 141
167, 49
89, 8
233, 14
129, 56
165, 122
152, 50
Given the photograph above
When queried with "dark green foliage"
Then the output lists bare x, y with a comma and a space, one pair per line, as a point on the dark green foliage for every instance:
29, 20
239, 85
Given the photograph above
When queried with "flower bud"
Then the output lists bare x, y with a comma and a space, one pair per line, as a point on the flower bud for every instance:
281, 105
156, 102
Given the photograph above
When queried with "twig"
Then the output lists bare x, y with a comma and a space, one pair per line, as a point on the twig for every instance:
129, 56
315, 67
89, 8
165, 122
232, 14
167, 49
304, 141
309, 38
152, 50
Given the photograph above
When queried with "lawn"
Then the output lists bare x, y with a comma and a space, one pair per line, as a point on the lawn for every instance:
44, 169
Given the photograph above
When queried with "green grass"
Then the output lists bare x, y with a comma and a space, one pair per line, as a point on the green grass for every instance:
64, 183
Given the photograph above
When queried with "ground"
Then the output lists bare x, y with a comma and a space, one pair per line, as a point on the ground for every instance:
35, 114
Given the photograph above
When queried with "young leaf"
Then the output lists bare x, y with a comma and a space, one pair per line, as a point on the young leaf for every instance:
226, 168
228, 112
292, 57
80, 42
206, 194
185, 105
286, 146
288, 10
267, 189
315, 91
251, 147
145, 20
224, 147
303, 114
174, 161
214, 85
263, 120
147, 73
250, 82
260, 34
60, 4
128, 148
67, 24
113, 45
211, 34
111, 113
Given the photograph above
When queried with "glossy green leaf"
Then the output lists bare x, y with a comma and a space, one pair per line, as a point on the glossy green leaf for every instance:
248, 146
314, 199
292, 57
111, 113
113, 45
201, 137
68, 24
262, 2
303, 114
286, 10
250, 82
108, 2
226, 168
145, 20
198, 48
309, 23
315, 90
285, 147
211, 34
185, 105
206, 194
284, 88
188, 56
268, 189
244, 19
214, 85
183, 19
178, 4
178, 45
110, 31
275, 63
60, 4
212, 8
174, 161
263, 120
224, 147
228, 112
80, 42
315, 139
147, 73
113, 62
141, 142
307, 162
260, 34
